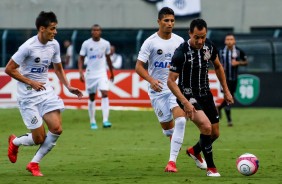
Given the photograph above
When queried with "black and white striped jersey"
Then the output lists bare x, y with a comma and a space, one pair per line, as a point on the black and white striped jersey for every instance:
226, 56
192, 66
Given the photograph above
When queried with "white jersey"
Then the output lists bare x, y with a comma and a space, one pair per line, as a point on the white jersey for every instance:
95, 52
34, 59
158, 53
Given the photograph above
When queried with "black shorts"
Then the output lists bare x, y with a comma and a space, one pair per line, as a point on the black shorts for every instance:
206, 104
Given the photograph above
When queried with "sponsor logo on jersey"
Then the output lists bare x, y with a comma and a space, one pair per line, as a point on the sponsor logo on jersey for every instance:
159, 51
37, 60
96, 56
168, 55
45, 61
173, 68
162, 64
34, 120
37, 70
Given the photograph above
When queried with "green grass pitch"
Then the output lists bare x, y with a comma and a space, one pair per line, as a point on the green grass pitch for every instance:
134, 150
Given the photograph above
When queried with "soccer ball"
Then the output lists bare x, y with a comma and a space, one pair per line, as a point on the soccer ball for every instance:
247, 164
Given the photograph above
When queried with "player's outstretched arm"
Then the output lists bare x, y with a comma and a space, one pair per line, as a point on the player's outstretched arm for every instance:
221, 77
62, 77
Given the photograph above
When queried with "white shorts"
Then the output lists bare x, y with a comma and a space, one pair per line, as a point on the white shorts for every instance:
33, 109
163, 105
94, 84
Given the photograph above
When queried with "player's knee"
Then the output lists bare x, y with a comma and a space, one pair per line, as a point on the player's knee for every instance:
56, 130
180, 123
104, 94
206, 129
39, 139
168, 132
214, 135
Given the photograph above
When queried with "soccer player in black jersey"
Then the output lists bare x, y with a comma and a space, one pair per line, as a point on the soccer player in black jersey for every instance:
231, 57
190, 65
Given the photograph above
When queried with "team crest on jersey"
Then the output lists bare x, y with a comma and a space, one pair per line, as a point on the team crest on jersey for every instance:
207, 53
37, 60
187, 91
28, 88
159, 51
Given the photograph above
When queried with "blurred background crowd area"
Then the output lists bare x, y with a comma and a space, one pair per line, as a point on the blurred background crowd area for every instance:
262, 46
127, 23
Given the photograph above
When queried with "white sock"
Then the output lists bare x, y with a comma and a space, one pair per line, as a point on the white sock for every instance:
47, 146
177, 138
91, 111
105, 108
25, 140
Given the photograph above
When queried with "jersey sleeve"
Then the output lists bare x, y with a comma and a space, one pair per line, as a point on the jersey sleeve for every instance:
57, 55
83, 50
177, 60
21, 54
243, 56
108, 48
214, 52
144, 52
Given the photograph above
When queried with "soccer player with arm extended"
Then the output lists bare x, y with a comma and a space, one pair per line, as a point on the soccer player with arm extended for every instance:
157, 50
36, 97
97, 50
189, 65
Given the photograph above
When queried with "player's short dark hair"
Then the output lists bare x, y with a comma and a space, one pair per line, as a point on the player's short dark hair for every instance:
96, 25
165, 11
45, 18
198, 23
230, 34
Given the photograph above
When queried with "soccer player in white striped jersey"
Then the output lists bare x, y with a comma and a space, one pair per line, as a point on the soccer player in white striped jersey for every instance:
158, 50
36, 97
97, 51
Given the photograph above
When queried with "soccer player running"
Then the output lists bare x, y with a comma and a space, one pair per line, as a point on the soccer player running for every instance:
157, 50
231, 57
189, 65
97, 50
36, 97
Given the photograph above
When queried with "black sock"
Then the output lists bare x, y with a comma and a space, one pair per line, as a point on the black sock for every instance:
197, 147
228, 114
206, 145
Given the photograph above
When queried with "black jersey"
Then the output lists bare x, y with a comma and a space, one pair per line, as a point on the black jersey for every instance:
226, 56
192, 66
